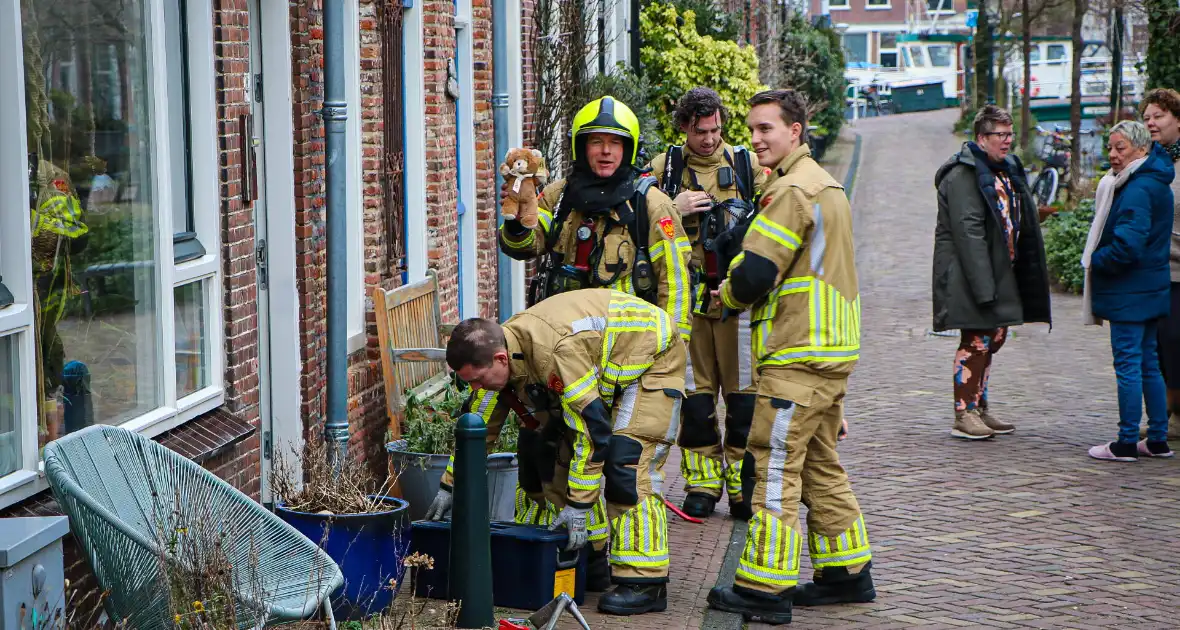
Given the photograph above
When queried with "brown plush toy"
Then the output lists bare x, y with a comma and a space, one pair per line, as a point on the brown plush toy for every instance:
524, 172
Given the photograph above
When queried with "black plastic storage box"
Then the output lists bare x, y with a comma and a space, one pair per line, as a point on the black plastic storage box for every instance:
529, 564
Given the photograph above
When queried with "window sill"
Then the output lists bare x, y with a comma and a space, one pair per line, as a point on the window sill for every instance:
878, 7
197, 435
357, 341
840, 8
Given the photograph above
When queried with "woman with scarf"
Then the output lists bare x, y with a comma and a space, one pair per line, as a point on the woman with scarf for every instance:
1161, 114
1127, 283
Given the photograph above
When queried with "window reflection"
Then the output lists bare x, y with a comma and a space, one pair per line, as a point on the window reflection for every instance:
92, 209
192, 351
10, 446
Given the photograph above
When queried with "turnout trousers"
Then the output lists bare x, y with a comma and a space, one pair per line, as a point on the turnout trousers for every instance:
646, 418
791, 457
720, 363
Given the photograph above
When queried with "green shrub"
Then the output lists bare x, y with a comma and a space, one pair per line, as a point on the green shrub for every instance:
430, 424
711, 18
677, 58
811, 60
1065, 238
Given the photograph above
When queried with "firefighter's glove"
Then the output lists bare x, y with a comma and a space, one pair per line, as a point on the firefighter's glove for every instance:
575, 520
441, 505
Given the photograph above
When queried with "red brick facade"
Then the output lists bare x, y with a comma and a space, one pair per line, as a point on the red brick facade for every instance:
240, 465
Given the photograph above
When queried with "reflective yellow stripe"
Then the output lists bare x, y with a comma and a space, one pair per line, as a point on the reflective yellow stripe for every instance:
776, 232
850, 547
545, 218
833, 325
521, 244
639, 536
771, 554
700, 471
579, 388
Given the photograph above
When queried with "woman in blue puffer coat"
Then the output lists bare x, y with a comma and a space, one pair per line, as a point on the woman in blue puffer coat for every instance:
1128, 283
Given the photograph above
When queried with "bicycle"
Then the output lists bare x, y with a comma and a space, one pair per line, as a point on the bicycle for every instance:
1056, 155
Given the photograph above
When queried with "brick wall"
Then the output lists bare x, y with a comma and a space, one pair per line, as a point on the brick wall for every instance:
442, 188
240, 466
366, 403
486, 161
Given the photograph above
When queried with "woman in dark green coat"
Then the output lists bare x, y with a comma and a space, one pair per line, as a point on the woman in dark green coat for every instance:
989, 263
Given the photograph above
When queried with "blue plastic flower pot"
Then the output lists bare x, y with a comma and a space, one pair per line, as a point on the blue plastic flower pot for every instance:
369, 548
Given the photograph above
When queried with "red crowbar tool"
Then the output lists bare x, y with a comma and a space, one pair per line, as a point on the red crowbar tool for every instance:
680, 513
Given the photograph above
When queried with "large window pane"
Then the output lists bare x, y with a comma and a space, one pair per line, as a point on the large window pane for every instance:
90, 130
192, 342
941, 56
856, 47
178, 118
10, 447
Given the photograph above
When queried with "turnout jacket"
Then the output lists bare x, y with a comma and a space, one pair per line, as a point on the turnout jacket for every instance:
668, 248
797, 271
704, 169
570, 356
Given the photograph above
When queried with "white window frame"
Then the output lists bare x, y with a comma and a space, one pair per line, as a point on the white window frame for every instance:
844, 5
869, 6
354, 195
16, 263
465, 48
948, 11
413, 62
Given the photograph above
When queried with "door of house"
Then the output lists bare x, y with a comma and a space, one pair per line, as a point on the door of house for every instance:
253, 161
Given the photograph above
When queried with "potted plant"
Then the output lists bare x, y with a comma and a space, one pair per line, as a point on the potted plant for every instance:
419, 458
349, 513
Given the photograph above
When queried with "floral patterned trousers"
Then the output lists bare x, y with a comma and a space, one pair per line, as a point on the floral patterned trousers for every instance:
973, 366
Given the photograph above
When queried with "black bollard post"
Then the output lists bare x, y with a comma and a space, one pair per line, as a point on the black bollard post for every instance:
471, 534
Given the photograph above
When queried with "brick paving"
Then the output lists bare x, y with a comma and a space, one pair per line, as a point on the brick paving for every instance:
1022, 531
1019, 531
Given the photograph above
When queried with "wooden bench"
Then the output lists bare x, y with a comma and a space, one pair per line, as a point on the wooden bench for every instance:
413, 341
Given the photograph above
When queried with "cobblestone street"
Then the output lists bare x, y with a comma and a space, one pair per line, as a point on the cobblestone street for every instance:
1022, 530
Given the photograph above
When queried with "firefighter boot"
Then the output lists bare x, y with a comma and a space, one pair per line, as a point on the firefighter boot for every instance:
699, 504
739, 509
768, 608
597, 571
835, 585
634, 599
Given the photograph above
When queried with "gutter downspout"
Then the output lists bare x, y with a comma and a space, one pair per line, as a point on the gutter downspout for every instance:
335, 113
636, 37
500, 121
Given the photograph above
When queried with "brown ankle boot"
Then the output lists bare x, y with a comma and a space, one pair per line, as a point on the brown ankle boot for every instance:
970, 426
999, 427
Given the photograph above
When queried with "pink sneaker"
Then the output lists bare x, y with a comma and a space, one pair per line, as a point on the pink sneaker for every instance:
1104, 452
1155, 449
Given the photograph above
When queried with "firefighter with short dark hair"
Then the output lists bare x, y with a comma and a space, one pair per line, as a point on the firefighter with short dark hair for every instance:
607, 370
797, 275
713, 185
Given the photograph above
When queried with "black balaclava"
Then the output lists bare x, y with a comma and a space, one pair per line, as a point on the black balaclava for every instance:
588, 193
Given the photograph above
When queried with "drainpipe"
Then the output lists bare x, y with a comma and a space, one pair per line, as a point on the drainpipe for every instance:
636, 37
335, 113
500, 120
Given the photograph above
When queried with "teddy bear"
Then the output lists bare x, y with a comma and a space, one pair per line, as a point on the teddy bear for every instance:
524, 171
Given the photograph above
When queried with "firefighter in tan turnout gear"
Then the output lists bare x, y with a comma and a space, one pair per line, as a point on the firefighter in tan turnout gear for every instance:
608, 371
605, 225
713, 185
797, 273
